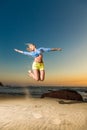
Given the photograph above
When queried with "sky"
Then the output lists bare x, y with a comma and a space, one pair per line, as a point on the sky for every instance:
49, 24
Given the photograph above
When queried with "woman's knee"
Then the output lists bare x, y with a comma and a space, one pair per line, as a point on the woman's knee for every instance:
37, 78
42, 79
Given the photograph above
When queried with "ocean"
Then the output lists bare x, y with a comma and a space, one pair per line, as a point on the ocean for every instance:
37, 91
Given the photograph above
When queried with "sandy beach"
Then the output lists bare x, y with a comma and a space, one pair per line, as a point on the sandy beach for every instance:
42, 114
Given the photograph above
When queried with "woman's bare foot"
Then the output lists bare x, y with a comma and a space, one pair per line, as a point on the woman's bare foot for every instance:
30, 73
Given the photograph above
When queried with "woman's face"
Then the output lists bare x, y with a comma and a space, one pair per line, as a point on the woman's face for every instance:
31, 47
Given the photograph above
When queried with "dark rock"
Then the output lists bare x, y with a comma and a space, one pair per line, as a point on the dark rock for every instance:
1, 84
64, 94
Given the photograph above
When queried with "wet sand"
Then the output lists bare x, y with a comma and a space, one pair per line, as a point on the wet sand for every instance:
42, 114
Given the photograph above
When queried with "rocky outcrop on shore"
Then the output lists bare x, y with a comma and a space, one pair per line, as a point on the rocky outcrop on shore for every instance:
1, 84
64, 94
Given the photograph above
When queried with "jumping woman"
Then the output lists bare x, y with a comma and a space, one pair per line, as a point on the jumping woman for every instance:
38, 71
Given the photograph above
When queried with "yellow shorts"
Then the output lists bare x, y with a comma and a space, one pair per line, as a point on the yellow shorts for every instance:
38, 66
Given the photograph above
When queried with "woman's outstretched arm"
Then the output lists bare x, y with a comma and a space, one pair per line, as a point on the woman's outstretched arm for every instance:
56, 49
50, 49
19, 51
24, 52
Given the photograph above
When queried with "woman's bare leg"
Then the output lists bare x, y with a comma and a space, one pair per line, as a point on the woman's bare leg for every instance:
42, 75
35, 74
